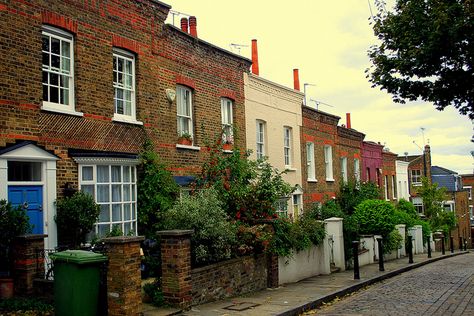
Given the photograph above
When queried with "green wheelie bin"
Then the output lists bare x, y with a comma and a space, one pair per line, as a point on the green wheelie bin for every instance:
76, 282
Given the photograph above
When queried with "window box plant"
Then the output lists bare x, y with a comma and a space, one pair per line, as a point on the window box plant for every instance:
227, 142
184, 138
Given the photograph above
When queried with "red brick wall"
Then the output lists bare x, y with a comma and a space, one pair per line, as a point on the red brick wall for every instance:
163, 55
389, 170
321, 129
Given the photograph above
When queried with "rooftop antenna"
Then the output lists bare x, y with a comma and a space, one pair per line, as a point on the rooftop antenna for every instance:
237, 47
423, 134
304, 90
320, 102
176, 13
417, 145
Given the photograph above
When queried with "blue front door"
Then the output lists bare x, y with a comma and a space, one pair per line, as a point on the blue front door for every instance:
29, 197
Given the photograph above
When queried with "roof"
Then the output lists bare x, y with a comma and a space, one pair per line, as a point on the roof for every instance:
205, 43
21, 144
408, 158
436, 170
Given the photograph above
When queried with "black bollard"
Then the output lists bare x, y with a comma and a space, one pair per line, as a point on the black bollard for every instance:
460, 243
443, 251
451, 244
410, 249
379, 241
429, 247
355, 253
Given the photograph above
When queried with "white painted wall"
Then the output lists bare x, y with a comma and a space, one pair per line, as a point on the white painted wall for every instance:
402, 180
334, 229
417, 234
278, 107
401, 229
368, 243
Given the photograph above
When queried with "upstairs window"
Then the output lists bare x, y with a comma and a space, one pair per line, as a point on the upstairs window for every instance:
184, 104
58, 70
344, 169
227, 121
328, 163
394, 187
415, 177
385, 183
310, 162
124, 85
260, 139
287, 151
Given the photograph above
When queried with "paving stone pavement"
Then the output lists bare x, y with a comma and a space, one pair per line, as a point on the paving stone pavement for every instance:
293, 298
444, 287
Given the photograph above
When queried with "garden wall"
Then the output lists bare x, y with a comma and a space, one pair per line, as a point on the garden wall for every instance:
228, 278
304, 264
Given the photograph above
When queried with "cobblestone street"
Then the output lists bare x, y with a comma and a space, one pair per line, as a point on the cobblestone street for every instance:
442, 288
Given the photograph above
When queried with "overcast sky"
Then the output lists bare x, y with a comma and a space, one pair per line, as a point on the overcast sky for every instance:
328, 42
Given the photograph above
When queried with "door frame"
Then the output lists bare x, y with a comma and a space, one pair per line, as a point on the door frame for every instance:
29, 152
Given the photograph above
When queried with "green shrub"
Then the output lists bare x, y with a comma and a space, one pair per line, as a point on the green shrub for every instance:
75, 217
375, 217
352, 194
155, 293
330, 209
13, 222
214, 235
26, 306
392, 242
407, 207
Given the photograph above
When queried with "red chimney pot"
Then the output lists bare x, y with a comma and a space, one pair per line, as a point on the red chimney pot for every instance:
348, 120
184, 25
255, 69
296, 79
193, 26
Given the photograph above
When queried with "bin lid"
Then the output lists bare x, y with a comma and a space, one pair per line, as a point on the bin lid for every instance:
78, 256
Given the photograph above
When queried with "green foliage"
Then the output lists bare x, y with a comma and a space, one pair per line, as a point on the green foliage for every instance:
433, 198
329, 209
375, 217
392, 242
425, 52
352, 194
13, 222
426, 229
156, 190
407, 207
155, 293
248, 189
214, 235
445, 221
75, 218
25, 306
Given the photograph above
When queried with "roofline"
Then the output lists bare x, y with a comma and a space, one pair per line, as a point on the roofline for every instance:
197, 39
276, 84
321, 112
161, 3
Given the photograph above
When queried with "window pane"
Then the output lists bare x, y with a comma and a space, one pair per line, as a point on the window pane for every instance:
128, 69
24, 171
54, 79
54, 94
64, 96
45, 93
120, 64
46, 60
104, 215
55, 43
126, 212
103, 193
65, 65
55, 61
116, 193
126, 192
103, 230
127, 228
134, 214
89, 189
87, 173
65, 49
45, 43
102, 174
116, 212
126, 173
133, 192
116, 173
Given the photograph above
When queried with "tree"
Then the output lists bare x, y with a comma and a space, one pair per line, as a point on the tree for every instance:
426, 52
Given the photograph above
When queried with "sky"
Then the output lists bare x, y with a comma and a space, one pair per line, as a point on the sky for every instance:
328, 42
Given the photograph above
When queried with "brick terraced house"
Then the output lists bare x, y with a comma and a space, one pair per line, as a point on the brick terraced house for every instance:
84, 83
331, 154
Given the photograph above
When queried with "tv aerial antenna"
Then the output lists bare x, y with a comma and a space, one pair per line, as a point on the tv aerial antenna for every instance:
237, 47
177, 13
320, 102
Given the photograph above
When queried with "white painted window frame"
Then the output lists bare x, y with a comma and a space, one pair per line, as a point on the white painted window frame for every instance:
260, 139
125, 57
344, 169
310, 163
328, 163
287, 148
184, 103
227, 119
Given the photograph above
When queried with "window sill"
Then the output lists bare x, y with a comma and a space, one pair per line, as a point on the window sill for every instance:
330, 180
288, 168
312, 180
126, 120
188, 147
48, 108
227, 151
417, 184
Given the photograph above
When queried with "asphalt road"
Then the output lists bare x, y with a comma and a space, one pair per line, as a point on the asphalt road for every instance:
444, 287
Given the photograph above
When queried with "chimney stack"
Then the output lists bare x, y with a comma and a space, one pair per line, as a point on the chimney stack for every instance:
193, 26
184, 25
255, 70
296, 79
348, 120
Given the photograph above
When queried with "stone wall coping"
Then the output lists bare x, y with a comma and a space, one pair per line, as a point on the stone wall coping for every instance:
31, 236
175, 233
232, 261
366, 236
334, 219
123, 239
400, 225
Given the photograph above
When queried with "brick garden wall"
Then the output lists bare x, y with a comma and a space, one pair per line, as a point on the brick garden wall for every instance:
229, 278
